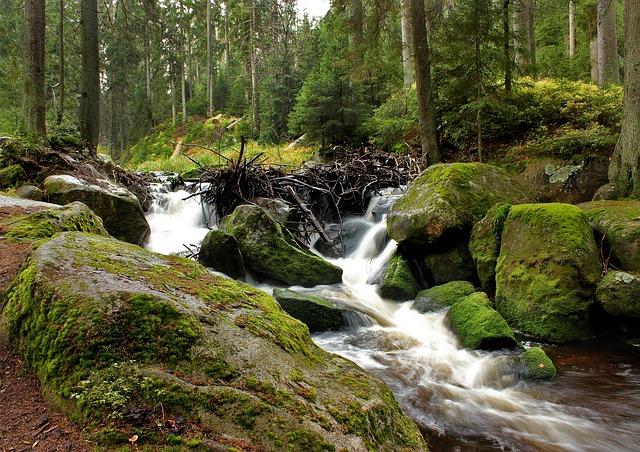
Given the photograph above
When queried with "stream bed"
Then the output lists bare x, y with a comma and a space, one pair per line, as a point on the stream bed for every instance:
461, 399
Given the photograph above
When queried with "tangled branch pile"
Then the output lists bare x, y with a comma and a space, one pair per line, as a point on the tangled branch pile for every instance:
324, 191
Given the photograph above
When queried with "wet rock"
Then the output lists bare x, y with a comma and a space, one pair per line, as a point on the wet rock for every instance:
547, 272
345, 239
478, 326
536, 365
397, 281
11, 175
484, 245
382, 202
130, 330
619, 294
30, 192
447, 200
443, 296
277, 208
453, 263
221, 252
318, 313
119, 209
270, 250
618, 222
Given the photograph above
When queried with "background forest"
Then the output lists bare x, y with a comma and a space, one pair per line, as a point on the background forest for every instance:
504, 73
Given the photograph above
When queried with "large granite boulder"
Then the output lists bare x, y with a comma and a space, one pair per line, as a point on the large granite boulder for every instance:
547, 272
318, 313
478, 325
618, 222
119, 209
448, 199
270, 250
398, 282
127, 341
442, 296
484, 245
221, 252
453, 263
619, 294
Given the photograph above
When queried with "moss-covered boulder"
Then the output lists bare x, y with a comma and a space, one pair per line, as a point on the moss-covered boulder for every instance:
448, 199
443, 296
11, 175
484, 245
318, 313
270, 250
619, 294
126, 338
618, 222
453, 263
221, 252
534, 364
547, 272
119, 209
478, 325
30, 192
397, 281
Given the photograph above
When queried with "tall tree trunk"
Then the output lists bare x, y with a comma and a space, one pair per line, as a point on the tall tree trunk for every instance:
174, 101
524, 35
34, 92
147, 73
424, 88
407, 54
183, 81
506, 32
572, 28
478, 58
255, 100
61, 62
357, 21
90, 80
209, 70
608, 71
624, 169
593, 59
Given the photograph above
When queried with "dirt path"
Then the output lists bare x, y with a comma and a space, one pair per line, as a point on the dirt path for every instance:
27, 422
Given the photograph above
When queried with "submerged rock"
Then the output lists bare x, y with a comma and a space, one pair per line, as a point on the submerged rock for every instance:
484, 245
447, 199
547, 272
443, 296
453, 263
119, 209
478, 325
270, 250
619, 294
397, 281
318, 313
618, 222
120, 335
221, 252
536, 365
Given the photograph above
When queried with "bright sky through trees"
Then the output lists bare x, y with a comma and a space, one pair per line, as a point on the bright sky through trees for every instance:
315, 8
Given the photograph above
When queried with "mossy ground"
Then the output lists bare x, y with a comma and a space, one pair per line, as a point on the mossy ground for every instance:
478, 325
547, 272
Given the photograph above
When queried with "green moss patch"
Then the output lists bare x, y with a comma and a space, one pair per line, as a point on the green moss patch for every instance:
398, 282
443, 296
536, 365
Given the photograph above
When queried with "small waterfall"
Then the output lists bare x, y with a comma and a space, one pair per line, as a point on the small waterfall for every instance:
448, 390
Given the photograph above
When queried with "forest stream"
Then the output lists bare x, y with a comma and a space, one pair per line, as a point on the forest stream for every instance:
461, 399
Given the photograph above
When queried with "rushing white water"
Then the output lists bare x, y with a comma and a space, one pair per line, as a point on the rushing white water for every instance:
446, 389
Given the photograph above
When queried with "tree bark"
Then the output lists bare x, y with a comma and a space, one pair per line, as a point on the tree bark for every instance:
255, 100
572, 28
183, 81
61, 62
407, 53
34, 91
424, 88
147, 73
90, 83
478, 58
506, 31
608, 71
623, 171
209, 73
593, 58
524, 35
